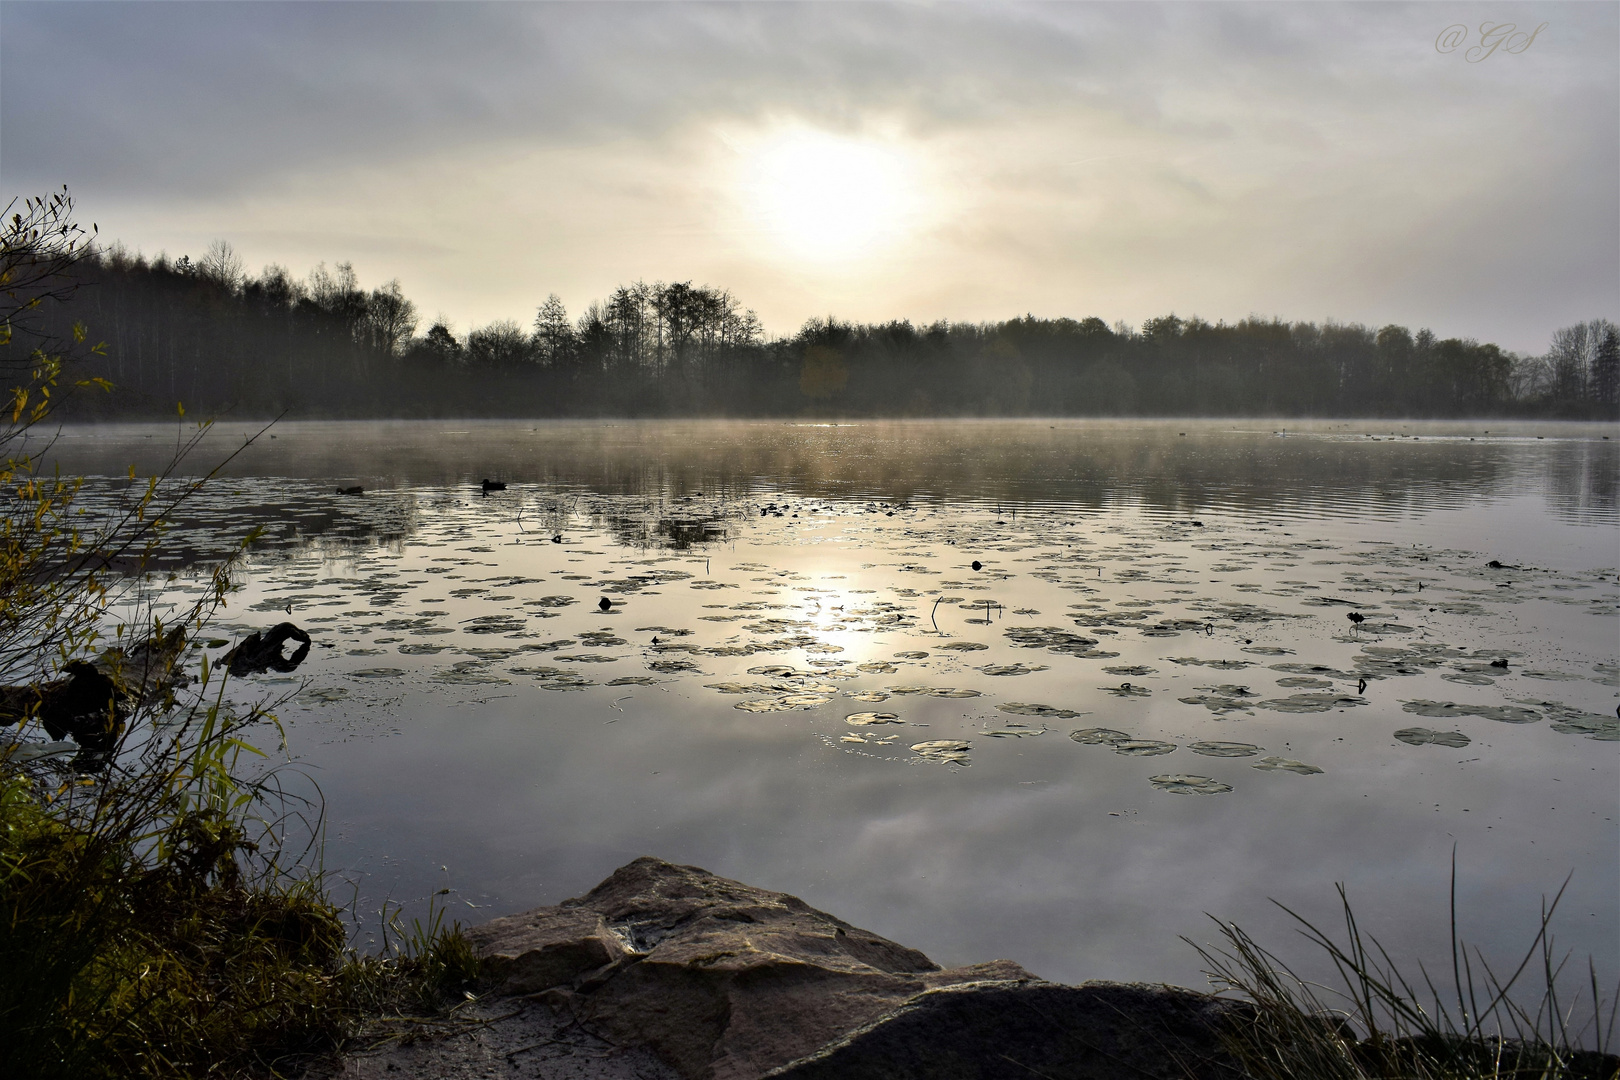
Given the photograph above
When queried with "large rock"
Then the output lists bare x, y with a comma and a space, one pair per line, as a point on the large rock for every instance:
1095, 1031
724, 981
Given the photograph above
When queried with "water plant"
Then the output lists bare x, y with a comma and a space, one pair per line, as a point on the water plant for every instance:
1379, 1024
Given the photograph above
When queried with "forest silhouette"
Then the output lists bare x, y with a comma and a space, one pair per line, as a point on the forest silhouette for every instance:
205, 334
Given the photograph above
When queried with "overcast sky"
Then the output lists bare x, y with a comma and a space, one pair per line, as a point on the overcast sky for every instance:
870, 161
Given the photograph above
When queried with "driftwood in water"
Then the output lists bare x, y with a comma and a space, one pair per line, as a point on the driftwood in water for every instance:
262, 652
91, 701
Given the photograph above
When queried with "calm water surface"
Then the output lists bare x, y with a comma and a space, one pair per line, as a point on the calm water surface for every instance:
1146, 704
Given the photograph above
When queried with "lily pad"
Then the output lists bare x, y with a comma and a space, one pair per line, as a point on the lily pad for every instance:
1422, 736
964, 646
1019, 708
1128, 690
762, 705
1098, 736
943, 752
1218, 703
1013, 731
1187, 784
1506, 714
1011, 669
1224, 749
864, 719
866, 695
912, 654
1283, 764
377, 673
1311, 703
1437, 709
1053, 639
1468, 678
1318, 670
1142, 747
1130, 669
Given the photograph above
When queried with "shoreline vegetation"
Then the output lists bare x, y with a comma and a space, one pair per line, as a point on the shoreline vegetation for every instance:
164, 911
206, 333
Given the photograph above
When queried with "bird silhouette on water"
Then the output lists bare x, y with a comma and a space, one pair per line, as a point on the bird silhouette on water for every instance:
605, 604
977, 565
492, 485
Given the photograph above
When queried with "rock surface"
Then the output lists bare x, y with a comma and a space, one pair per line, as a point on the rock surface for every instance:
723, 981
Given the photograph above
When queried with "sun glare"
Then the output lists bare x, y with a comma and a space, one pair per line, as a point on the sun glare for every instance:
825, 197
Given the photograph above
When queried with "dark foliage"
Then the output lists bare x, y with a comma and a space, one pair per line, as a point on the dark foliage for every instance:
202, 334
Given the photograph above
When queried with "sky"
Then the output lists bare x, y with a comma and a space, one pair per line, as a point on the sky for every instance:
1360, 162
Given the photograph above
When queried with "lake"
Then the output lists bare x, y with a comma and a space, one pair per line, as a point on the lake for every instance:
1042, 690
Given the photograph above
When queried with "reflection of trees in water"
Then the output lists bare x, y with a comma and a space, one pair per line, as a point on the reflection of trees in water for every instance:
1582, 480
679, 533
657, 524
291, 515
1239, 467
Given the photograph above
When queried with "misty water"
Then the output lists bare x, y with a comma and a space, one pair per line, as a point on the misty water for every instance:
1146, 703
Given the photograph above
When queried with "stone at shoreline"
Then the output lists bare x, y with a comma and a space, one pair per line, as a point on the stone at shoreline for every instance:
723, 981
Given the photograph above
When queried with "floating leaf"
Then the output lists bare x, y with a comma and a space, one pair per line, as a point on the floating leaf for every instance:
1128, 690
1143, 747
1019, 708
1311, 703
377, 673
1285, 765
1098, 736
1422, 736
1185, 784
863, 719
1224, 749
943, 751
1013, 731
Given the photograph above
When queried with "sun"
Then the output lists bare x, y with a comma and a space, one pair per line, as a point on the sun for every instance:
825, 197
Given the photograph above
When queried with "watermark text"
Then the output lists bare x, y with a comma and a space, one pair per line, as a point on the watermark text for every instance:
1486, 40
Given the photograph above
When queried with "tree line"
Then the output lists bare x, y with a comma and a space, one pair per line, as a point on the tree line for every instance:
204, 333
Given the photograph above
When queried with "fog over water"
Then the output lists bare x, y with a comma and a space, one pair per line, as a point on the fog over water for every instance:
1145, 704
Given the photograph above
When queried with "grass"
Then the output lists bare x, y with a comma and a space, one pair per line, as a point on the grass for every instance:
155, 922
1378, 1024
162, 908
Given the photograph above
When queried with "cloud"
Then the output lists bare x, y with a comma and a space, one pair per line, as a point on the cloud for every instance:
1306, 160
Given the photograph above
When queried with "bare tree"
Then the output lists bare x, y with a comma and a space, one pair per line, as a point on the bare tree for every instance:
1569, 360
500, 344
391, 318
221, 265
